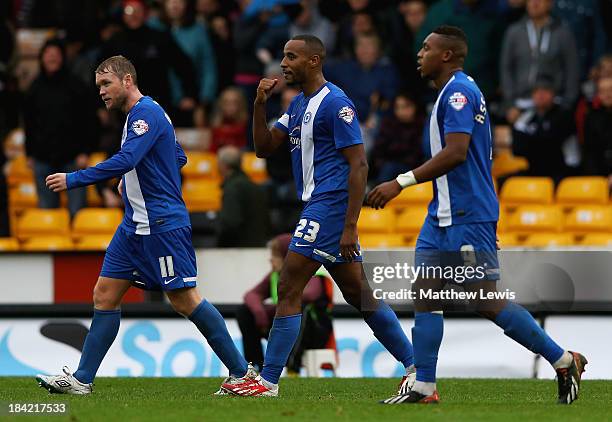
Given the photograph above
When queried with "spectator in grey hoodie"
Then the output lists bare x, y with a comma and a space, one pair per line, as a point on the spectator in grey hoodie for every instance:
538, 46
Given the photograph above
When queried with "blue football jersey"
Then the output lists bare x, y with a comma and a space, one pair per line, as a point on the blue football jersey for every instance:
149, 161
466, 193
319, 126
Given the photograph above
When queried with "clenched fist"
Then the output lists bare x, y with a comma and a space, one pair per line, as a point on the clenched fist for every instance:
264, 90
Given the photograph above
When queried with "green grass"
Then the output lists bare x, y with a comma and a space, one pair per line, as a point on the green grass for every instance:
324, 399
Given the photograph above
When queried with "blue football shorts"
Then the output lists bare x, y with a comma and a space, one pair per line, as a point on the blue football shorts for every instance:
162, 261
463, 252
318, 233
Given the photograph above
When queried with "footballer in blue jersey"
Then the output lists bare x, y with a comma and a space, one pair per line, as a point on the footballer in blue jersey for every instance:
151, 249
460, 228
330, 172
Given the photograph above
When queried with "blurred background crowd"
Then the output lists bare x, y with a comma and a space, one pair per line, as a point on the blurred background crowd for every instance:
545, 68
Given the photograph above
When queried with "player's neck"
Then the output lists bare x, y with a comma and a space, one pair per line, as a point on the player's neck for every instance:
441, 80
131, 100
312, 86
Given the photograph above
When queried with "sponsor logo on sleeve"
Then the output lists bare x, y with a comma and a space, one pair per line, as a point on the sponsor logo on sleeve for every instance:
140, 127
347, 114
457, 101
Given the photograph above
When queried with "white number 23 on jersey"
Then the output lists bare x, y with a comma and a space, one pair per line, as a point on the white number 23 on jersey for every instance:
311, 231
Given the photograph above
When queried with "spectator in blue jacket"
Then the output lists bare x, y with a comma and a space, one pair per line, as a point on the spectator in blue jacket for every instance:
192, 37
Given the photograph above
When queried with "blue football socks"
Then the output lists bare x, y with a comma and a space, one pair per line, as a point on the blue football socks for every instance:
102, 333
519, 325
211, 324
427, 336
388, 331
283, 335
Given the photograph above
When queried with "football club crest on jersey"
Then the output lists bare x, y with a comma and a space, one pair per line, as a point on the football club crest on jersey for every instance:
139, 127
347, 114
457, 101
307, 117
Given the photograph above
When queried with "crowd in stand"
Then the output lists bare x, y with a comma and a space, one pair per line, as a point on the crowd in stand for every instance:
544, 66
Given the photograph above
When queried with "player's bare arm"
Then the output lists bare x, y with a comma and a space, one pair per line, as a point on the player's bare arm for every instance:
265, 140
358, 176
452, 155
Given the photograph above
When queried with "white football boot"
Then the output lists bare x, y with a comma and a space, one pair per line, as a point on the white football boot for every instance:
63, 384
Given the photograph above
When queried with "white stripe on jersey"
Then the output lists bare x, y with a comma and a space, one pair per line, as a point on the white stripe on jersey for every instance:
307, 142
284, 120
444, 213
134, 195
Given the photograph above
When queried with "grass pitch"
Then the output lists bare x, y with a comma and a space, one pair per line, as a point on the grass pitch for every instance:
323, 399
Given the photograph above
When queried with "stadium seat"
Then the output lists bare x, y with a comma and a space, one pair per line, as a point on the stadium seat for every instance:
542, 240
95, 242
18, 171
201, 165
506, 163
535, 218
42, 222
527, 190
22, 196
8, 244
376, 221
90, 221
96, 158
589, 218
508, 240
48, 243
502, 222
30, 40
254, 167
194, 139
202, 195
573, 191
420, 194
597, 239
387, 240
410, 220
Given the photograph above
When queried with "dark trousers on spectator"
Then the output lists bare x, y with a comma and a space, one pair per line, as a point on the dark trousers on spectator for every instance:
4, 212
77, 198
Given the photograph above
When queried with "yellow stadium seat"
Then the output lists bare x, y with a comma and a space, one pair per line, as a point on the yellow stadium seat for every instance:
93, 198
527, 190
254, 167
90, 221
410, 220
589, 218
48, 243
542, 240
506, 163
508, 240
582, 190
376, 221
502, 222
535, 218
201, 165
202, 195
381, 241
18, 171
41, 222
8, 244
420, 194
95, 242
597, 239
23, 195
96, 158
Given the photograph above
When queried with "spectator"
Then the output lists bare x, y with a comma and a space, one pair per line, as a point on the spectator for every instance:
404, 29
540, 132
350, 28
483, 22
60, 126
597, 157
255, 316
310, 21
192, 37
221, 37
398, 145
538, 46
371, 81
243, 219
156, 52
229, 121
